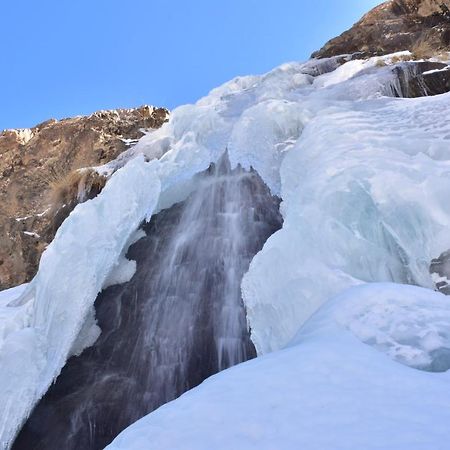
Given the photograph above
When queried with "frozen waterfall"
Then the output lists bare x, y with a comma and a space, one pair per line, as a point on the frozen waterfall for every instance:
179, 320
364, 182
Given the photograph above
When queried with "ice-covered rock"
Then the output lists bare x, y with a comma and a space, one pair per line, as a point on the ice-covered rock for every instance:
363, 201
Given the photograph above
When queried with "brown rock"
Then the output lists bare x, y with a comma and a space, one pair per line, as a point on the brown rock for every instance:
33, 160
421, 26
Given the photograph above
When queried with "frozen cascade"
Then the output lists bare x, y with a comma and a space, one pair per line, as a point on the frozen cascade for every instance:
364, 180
178, 321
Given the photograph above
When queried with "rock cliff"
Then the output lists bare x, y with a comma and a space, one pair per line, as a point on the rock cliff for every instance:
421, 26
39, 163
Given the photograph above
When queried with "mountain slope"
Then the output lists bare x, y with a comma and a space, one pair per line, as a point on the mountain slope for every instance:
35, 161
421, 26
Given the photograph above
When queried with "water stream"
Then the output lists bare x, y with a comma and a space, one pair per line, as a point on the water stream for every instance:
179, 320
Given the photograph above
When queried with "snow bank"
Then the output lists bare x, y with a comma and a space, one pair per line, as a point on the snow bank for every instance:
326, 391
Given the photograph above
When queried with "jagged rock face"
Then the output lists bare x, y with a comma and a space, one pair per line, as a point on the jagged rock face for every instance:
422, 78
31, 159
421, 26
440, 272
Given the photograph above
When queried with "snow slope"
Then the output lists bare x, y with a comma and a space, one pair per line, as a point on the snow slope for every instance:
327, 390
364, 183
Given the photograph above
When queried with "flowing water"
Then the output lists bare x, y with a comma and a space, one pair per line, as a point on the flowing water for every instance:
179, 320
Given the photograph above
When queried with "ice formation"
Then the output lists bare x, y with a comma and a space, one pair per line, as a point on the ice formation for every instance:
178, 321
327, 390
364, 180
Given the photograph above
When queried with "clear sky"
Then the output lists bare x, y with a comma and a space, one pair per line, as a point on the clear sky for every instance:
62, 58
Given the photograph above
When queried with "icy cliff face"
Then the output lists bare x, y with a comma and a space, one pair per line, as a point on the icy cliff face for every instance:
363, 201
364, 181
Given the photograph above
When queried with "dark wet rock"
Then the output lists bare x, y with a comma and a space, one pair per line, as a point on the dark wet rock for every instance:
440, 270
179, 320
421, 26
422, 78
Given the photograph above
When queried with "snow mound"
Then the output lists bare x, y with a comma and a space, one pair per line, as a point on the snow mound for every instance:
327, 390
409, 324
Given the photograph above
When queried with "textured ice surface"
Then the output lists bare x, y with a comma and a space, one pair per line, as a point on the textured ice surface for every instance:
364, 181
364, 199
409, 324
328, 390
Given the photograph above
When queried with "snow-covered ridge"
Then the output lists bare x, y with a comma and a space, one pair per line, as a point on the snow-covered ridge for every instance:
334, 147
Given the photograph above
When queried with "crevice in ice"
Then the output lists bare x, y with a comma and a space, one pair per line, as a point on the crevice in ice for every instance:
179, 319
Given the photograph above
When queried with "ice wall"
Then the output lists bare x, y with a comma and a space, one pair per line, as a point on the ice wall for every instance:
72, 271
363, 200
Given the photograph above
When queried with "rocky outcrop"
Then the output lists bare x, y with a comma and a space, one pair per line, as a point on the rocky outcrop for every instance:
421, 26
440, 272
36, 162
421, 78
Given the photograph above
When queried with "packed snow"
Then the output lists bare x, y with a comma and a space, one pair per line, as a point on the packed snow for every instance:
327, 390
364, 180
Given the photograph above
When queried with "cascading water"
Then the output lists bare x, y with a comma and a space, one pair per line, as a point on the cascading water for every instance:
178, 321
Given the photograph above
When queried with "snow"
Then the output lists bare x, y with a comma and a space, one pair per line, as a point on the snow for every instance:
439, 279
429, 72
327, 390
409, 324
32, 234
24, 135
19, 219
364, 181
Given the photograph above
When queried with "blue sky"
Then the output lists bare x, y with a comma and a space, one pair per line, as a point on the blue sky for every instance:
64, 58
